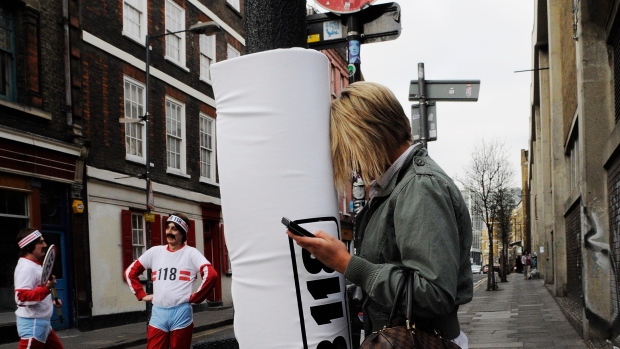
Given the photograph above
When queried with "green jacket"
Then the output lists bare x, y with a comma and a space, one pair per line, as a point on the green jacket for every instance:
420, 222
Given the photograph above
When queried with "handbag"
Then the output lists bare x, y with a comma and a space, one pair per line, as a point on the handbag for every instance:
406, 336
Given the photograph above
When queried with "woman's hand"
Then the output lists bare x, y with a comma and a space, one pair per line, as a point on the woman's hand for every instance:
326, 248
147, 298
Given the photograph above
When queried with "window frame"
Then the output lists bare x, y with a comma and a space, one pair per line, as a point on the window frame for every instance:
212, 179
205, 73
11, 79
236, 4
138, 218
142, 27
181, 62
182, 138
129, 126
332, 79
229, 49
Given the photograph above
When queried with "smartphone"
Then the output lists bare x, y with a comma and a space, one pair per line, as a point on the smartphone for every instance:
296, 228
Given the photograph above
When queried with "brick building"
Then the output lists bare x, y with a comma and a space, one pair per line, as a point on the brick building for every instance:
70, 70
42, 149
182, 136
573, 160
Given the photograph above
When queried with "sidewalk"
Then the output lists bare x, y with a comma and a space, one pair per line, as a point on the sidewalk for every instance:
134, 334
521, 314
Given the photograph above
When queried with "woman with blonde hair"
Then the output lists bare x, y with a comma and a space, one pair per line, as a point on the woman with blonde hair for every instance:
416, 219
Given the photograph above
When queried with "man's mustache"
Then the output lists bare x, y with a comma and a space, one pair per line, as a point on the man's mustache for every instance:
170, 236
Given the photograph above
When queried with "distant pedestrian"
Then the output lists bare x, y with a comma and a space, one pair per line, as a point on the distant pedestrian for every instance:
527, 264
519, 265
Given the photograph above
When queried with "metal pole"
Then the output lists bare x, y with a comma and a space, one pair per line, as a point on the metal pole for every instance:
422, 100
354, 41
354, 44
147, 175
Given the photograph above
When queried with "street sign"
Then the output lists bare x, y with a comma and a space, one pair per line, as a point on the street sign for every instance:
344, 6
328, 30
447, 90
431, 111
381, 23
149, 217
325, 31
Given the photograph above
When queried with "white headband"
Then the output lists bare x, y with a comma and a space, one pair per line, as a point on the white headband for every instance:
179, 221
28, 239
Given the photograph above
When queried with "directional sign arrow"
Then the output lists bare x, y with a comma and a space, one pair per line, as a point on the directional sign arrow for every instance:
447, 90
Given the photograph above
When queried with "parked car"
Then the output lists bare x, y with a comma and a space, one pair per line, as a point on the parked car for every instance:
485, 269
476, 269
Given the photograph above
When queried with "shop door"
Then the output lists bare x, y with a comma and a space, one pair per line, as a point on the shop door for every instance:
60, 271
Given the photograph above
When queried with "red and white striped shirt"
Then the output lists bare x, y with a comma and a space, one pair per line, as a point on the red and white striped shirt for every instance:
172, 273
33, 299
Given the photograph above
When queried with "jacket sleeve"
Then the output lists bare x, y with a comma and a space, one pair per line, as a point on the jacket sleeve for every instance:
427, 238
132, 276
209, 277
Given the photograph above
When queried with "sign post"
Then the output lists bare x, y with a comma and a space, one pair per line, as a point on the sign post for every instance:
427, 92
353, 23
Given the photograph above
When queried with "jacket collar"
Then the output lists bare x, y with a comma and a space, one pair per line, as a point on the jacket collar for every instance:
418, 150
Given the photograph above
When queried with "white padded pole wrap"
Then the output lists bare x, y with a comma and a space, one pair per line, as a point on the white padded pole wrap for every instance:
274, 160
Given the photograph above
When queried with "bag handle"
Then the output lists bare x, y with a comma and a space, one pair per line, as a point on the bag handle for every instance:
403, 284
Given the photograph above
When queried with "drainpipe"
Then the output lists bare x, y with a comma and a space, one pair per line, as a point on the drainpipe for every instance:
68, 103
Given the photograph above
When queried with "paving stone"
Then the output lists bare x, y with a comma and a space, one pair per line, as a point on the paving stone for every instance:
522, 314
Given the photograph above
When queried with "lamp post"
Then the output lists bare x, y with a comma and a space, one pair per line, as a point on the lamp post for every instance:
208, 28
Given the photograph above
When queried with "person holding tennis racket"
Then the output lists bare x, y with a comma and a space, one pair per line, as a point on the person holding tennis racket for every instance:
34, 299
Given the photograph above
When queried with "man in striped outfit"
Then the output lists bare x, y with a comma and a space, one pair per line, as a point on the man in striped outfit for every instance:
175, 266
34, 300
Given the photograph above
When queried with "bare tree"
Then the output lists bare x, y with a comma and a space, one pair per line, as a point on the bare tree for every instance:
504, 200
486, 177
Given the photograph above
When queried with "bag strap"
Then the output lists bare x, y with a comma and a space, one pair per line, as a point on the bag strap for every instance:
403, 284
409, 298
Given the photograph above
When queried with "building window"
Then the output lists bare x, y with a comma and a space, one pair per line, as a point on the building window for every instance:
342, 86
231, 52
134, 109
234, 4
14, 216
175, 43
574, 165
138, 235
7, 55
134, 19
175, 135
332, 79
207, 148
207, 55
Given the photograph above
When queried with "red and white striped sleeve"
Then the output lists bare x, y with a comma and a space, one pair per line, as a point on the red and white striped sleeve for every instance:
25, 297
132, 276
208, 276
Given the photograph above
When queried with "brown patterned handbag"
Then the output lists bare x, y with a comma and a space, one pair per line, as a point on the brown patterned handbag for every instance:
406, 336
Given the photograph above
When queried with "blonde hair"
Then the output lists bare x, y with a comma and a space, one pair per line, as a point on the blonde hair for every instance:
368, 125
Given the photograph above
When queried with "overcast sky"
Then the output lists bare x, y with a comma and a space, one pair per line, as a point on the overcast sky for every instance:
484, 40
